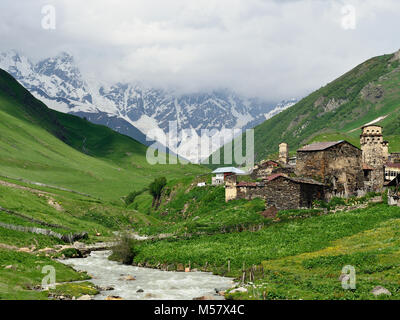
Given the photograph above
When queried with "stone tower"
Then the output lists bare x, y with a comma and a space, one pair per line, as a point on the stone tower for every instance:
385, 151
374, 154
283, 153
230, 187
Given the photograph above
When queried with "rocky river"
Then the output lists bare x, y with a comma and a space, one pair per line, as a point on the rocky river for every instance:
136, 283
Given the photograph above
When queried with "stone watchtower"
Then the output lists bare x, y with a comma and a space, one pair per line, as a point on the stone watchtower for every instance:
374, 153
230, 187
283, 153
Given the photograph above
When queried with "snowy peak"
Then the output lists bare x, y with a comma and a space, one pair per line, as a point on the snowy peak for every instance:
17, 65
126, 107
61, 66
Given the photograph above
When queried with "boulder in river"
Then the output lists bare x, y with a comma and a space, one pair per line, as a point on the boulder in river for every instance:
108, 288
85, 297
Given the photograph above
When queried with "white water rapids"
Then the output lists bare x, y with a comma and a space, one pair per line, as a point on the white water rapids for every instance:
156, 284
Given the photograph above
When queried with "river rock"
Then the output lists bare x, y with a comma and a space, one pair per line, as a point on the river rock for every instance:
204, 298
128, 278
378, 290
114, 298
85, 297
108, 288
241, 289
180, 267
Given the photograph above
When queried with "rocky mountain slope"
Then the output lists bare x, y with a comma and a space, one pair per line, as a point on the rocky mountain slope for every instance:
137, 111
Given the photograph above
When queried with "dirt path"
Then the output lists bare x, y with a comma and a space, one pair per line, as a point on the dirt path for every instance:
51, 202
17, 186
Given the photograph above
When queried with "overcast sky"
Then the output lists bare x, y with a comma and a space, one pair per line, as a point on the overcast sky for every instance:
273, 49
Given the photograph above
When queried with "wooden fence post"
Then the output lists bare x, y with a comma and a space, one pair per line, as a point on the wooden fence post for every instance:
244, 273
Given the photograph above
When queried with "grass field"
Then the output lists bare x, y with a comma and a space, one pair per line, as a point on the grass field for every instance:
302, 258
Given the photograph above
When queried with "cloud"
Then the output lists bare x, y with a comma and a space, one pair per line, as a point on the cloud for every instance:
266, 48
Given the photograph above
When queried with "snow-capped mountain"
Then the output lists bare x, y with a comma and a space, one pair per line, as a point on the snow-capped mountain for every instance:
280, 107
138, 111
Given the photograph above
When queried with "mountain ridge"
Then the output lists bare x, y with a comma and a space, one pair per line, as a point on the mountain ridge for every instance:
44, 145
134, 110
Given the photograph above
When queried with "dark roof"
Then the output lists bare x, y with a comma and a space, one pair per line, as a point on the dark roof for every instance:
295, 179
274, 176
319, 146
392, 165
371, 125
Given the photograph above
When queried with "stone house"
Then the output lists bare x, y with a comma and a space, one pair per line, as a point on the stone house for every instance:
320, 170
279, 190
336, 164
263, 169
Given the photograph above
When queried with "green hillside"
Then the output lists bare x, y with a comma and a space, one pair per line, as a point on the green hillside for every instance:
62, 174
338, 110
42, 145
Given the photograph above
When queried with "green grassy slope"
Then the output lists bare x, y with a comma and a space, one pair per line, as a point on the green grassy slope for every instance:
338, 110
39, 144
302, 258
186, 208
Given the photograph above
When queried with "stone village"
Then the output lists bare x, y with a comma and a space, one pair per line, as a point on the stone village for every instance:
320, 171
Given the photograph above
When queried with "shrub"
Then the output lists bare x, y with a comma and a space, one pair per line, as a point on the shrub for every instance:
155, 189
71, 253
130, 198
125, 251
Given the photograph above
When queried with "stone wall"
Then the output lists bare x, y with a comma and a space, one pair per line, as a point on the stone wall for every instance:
394, 157
339, 167
263, 169
282, 192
